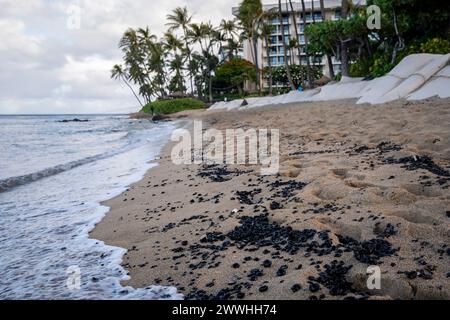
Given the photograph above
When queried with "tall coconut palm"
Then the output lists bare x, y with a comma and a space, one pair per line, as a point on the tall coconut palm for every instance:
250, 18
181, 19
308, 65
230, 32
174, 45
299, 50
286, 62
329, 59
344, 51
196, 35
266, 31
117, 73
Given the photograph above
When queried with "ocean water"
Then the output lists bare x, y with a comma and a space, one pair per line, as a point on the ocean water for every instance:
53, 176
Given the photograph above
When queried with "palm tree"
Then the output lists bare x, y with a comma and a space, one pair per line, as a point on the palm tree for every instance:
344, 53
308, 65
286, 63
329, 59
266, 31
180, 19
196, 35
117, 73
299, 50
250, 18
172, 43
230, 32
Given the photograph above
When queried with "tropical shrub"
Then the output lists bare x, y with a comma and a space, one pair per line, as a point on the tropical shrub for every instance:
298, 73
172, 106
233, 74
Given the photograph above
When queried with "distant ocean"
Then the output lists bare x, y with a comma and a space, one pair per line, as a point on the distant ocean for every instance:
53, 175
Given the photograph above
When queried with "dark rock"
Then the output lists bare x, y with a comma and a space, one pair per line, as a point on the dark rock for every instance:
282, 271
212, 237
255, 274
367, 251
314, 287
263, 288
267, 264
73, 120
334, 278
411, 274
275, 205
296, 287
419, 162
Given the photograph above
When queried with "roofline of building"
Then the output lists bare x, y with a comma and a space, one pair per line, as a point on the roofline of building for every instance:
329, 4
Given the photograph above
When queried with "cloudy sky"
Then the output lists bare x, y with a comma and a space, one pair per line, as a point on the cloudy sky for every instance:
49, 65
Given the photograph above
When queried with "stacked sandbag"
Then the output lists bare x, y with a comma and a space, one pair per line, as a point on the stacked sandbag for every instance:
437, 86
409, 75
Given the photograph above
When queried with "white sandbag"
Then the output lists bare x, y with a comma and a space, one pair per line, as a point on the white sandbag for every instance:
251, 102
215, 106
345, 79
278, 99
234, 104
339, 91
411, 64
297, 96
411, 73
439, 86
377, 88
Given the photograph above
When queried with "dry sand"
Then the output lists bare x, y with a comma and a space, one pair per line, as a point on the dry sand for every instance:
358, 186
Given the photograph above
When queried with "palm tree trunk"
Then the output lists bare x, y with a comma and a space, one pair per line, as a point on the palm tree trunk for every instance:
189, 60
308, 65
288, 71
132, 90
255, 49
329, 59
210, 88
344, 53
297, 35
266, 38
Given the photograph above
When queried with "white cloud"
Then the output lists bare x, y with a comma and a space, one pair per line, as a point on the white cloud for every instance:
46, 67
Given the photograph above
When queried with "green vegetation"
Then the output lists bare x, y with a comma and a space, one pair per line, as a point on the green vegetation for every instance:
200, 60
172, 106
407, 26
233, 74
299, 75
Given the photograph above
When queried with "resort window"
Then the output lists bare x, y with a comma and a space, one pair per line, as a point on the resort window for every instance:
337, 14
301, 39
273, 61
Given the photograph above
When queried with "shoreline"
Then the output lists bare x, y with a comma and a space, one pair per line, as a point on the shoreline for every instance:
338, 188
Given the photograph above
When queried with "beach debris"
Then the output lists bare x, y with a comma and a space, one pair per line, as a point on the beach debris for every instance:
254, 274
334, 278
282, 271
413, 163
247, 197
288, 187
296, 287
218, 173
369, 251
267, 263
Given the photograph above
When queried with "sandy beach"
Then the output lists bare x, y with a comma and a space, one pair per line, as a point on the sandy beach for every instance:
358, 186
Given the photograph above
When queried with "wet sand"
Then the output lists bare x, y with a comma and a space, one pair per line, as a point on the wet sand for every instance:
358, 186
